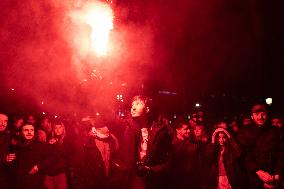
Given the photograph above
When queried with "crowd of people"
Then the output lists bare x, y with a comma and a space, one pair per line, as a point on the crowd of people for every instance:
142, 151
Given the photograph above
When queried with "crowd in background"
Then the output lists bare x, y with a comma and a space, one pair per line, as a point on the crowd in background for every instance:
141, 151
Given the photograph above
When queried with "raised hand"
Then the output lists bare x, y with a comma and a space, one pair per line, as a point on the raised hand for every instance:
264, 176
34, 170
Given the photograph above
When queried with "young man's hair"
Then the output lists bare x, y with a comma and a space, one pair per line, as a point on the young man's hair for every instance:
4, 115
147, 101
25, 124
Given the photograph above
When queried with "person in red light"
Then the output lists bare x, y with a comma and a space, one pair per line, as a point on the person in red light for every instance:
31, 160
3, 122
225, 158
234, 128
200, 133
196, 118
18, 121
200, 139
31, 120
145, 149
264, 152
56, 173
183, 167
5, 155
277, 122
92, 157
182, 132
245, 119
45, 126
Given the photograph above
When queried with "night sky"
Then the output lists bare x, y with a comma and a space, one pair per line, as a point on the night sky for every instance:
220, 53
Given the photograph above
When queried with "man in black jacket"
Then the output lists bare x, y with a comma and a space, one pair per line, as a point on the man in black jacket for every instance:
264, 152
94, 166
146, 149
32, 158
184, 166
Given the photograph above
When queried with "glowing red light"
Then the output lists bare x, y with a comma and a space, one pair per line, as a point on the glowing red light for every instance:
99, 17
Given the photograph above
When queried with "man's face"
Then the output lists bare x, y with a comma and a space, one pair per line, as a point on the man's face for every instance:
198, 131
19, 123
28, 132
222, 139
259, 118
184, 131
41, 136
58, 130
3, 122
31, 120
46, 125
138, 108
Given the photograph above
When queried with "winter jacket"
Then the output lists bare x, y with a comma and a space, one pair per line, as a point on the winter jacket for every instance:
158, 158
27, 156
232, 163
88, 169
5, 173
184, 164
264, 150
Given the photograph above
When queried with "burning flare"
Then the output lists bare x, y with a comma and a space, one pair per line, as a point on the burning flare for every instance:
98, 17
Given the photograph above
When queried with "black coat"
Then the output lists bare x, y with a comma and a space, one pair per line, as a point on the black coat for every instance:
184, 165
5, 173
59, 163
27, 156
232, 163
264, 150
88, 168
158, 158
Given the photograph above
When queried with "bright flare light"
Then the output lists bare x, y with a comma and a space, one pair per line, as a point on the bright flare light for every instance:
98, 16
